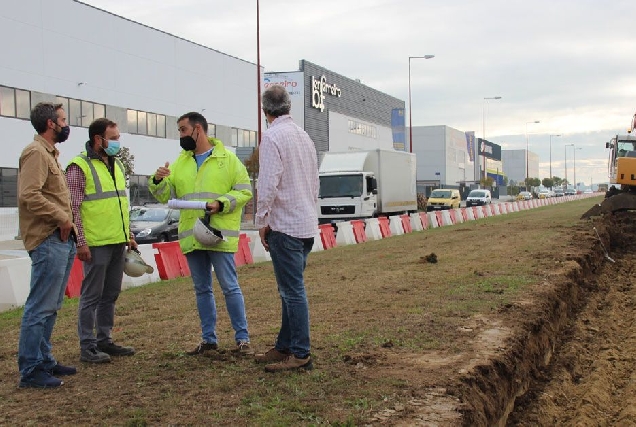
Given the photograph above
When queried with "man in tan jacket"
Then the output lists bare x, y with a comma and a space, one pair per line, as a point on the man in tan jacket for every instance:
46, 227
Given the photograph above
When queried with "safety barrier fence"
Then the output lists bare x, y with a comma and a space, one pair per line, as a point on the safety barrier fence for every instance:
169, 262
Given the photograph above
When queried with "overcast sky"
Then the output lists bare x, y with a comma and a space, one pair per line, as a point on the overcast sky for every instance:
571, 64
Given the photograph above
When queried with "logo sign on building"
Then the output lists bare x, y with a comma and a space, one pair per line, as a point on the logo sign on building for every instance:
398, 129
489, 150
294, 83
470, 145
320, 88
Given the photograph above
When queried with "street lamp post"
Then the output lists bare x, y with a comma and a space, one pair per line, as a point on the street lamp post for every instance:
551, 154
575, 185
410, 110
527, 147
565, 148
483, 127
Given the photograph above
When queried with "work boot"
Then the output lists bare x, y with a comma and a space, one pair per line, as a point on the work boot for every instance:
113, 349
271, 356
93, 355
291, 363
204, 348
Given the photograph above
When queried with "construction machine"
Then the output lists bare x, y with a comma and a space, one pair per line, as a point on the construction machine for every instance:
622, 174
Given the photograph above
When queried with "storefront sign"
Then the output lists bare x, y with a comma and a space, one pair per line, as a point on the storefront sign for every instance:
489, 149
318, 90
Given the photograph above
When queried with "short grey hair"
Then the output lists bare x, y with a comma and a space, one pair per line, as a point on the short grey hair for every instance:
41, 113
276, 101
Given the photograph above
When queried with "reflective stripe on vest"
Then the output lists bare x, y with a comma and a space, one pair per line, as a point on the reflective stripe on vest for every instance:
99, 193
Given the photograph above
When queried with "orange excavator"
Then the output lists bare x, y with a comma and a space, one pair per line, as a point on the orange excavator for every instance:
622, 174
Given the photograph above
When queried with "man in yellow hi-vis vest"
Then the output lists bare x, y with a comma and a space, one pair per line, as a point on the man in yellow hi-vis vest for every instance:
97, 184
206, 171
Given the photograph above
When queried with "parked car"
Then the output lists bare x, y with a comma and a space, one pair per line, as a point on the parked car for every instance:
478, 198
570, 192
443, 199
154, 223
543, 194
558, 192
524, 195
588, 191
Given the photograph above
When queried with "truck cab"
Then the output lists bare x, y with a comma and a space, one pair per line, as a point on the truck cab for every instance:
346, 196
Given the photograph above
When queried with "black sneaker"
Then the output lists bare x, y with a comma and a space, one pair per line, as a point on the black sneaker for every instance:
203, 348
92, 355
40, 379
61, 370
113, 349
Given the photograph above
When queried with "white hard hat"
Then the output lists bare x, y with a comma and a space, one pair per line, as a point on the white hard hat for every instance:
205, 234
134, 265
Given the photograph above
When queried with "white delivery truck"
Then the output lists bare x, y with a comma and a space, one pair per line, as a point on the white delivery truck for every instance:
366, 184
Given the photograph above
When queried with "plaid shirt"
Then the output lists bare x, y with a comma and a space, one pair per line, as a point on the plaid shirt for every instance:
76, 182
287, 180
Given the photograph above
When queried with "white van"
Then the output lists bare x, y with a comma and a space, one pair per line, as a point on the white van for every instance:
478, 198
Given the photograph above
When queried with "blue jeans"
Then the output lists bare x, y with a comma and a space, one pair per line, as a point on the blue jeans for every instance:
289, 258
200, 263
51, 264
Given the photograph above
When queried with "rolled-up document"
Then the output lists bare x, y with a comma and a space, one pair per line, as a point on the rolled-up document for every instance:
186, 204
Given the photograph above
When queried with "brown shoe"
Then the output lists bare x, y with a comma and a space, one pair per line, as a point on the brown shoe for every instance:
243, 348
291, 363
271, 356
203, 348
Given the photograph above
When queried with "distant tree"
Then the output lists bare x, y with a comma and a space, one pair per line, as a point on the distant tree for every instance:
128, 160
547, 182
532, 182
557, 181
505, 181
252, 164
487, 182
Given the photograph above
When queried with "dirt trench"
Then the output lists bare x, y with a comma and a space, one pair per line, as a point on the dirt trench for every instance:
571, 360
592, 377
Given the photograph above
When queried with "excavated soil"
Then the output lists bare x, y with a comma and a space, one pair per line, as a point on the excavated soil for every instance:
573, 361
591, 379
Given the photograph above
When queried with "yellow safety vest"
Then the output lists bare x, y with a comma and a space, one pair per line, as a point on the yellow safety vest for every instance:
222, 177
104, 210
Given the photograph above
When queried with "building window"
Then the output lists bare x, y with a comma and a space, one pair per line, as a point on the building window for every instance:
99, 111
234, 137
64, 102
7, 101
141, 123
152, 124
246, 138
22, 103
211, 130
253, 140
87, 113
74, 113
161, 125
132, 121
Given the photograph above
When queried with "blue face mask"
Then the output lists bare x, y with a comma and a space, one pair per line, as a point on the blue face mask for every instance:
113, 148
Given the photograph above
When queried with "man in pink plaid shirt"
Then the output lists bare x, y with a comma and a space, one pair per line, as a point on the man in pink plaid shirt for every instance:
287, 220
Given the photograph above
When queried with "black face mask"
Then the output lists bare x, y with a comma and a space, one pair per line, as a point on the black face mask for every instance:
63, 134
187, 142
